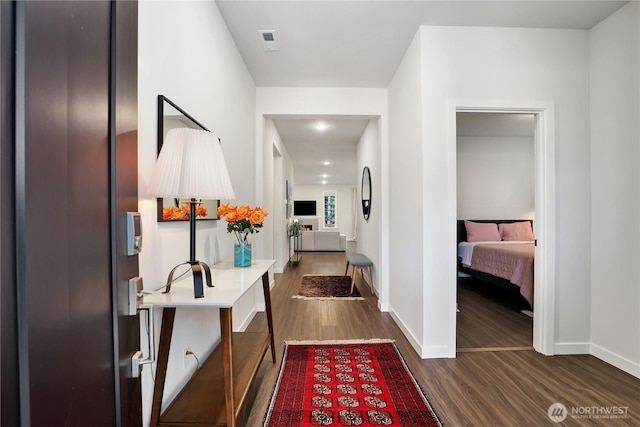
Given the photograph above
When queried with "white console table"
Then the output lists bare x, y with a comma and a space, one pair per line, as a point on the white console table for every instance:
218, 391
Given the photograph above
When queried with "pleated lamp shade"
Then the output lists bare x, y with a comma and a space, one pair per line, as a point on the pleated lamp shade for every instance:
191, 166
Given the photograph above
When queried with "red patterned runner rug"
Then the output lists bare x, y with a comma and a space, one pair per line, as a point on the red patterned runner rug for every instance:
347, 383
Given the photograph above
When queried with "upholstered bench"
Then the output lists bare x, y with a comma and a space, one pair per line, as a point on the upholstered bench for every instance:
359, 261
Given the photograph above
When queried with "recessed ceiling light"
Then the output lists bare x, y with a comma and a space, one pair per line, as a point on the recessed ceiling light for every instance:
327, 163
324, 175
324, 182
320, 126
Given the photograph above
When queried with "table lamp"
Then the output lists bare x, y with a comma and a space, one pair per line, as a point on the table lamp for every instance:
191, 166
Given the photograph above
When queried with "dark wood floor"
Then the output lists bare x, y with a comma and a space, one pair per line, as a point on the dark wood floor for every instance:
508, 388
491, 318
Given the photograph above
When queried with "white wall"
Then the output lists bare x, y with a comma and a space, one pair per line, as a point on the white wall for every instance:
278, 169
406, 201
359, 102
495, 177
615, 191
368, 231
344, 205
187, 54
493, 64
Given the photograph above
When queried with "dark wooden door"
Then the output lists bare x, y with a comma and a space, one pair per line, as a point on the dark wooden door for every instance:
9, 412
74, 175
124, 178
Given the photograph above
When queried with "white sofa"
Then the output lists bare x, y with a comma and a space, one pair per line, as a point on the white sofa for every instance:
322, 241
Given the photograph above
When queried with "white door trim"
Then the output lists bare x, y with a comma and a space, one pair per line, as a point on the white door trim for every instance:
545, 216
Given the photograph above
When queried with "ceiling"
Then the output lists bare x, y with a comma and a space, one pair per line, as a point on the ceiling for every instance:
360, 44
310, 148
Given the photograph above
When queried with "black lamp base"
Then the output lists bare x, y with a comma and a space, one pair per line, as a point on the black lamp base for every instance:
196, 269
196, 266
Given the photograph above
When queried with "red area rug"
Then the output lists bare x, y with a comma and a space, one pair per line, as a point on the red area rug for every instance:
364, 383
326, 287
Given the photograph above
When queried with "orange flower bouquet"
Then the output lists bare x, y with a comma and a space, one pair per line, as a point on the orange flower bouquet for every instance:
242, 220
182, 213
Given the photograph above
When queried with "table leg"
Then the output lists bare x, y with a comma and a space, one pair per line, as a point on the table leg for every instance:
164, 345
226, 332
267, 303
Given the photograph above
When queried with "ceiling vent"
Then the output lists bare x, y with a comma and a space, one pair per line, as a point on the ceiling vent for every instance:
268, 39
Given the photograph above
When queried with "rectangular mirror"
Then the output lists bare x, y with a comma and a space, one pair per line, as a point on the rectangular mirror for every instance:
171, 116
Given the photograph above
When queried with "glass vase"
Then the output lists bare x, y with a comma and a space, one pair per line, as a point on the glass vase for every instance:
242, 255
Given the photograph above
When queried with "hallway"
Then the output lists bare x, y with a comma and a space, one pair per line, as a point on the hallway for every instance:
487, 388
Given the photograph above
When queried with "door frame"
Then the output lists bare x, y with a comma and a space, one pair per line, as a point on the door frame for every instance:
545, 208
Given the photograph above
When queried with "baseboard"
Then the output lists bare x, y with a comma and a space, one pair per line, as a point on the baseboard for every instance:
367, 280
261, 306
571, 348
278, 270
425, 352
323, 250
412, 340
622, 363
245, 324
437, 352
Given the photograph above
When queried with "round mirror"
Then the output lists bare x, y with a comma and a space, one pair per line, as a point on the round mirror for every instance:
366, 192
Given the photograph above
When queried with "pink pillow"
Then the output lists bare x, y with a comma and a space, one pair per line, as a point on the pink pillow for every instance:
482, 231
516, 231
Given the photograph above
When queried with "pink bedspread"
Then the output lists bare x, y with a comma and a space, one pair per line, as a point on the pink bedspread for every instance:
513, 262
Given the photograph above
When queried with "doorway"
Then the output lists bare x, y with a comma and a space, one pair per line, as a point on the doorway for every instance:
544, 202
321, 166
495, 182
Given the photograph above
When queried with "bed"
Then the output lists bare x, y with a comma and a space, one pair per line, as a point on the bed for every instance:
500, 255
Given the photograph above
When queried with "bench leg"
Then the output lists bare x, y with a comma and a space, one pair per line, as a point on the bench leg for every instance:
353, 278
370, 279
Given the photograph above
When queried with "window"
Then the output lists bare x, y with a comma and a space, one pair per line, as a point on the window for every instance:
329, 209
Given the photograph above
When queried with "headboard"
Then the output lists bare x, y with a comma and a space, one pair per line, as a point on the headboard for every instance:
462, 231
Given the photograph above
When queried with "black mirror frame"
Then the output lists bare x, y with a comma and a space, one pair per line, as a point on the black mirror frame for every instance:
160, 140
366, 198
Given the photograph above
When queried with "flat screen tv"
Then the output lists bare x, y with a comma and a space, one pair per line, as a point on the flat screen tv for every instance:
304, 208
